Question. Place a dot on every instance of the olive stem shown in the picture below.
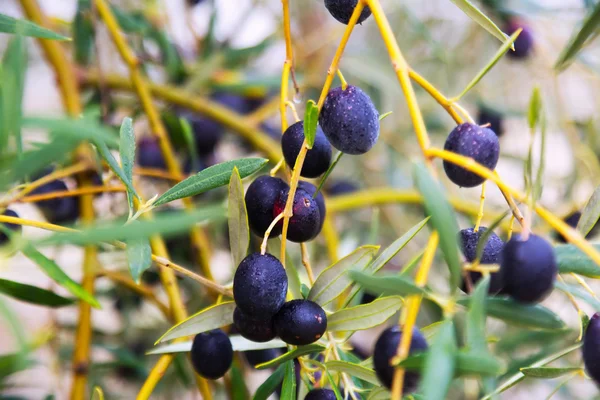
(342, 79)
(306, 263)
(481, 203)
(263, 246)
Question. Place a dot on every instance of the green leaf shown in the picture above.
(35, 160)
(388, 284)
(508, 44)
(190, 142)
(547, 372)
(535, 108)
(483, 239)
(75, 129)
(590, 213)
(467, 364)
(390, 252)
(290, 355)
(32, 294)
(578, 292)
(238, 384)
(335, 162)
(211, 178)
(121, 174)
(531, 316)
(476, 339)
(238, 343)
(364, 316)
(83, 32)
(358, 371)
(443, 220)
(587, 32)
(210, 318)
(164, 225)
(127, 155)
(288, 391)
(311, 118)
(239, 231)
(13, 363)
(268, 387)
(570, 259)
(334, 280)
(476, 15)
(171, 59)
(26, 28)
(440, 364)
(55, 273)
(13, 68)
(139, 256)
(519, 376)
(381, 393)
(97, 394)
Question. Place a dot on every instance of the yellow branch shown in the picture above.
(69, 89)
(572, 235)
(142, 290)
(232, 120)
(414, 303)
(72, 193)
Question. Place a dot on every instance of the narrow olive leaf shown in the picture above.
(476, 339)
(139, 257)
(238, 343)
(311, 118)
(580, 293)
(210, 318)
(535, 108)
(538, 184)
(14, 66)
(211, 178)
(164, 225)
(440, 364)
(105, 153)
(327, 173)
(271, 384)
(519, 376)
(32, 294)
(76, 129)
(127, 154)
(290, 355)
(486, 235)
(390, 252)
(288, 390)
(588, 31)
(525, 315)
(467, 364)
(508, 44)
(97, 394)
(590, 213)
(570, 259)
(443, 220)
(548, 372)
(358, 371)
(34, 161)
(239, 231)
(388, 284)
(393, 249)
(333, 384)
(239, 391)
(383, 116)
(83, 32)
(190, 142)
(476, 15)
(294, 283)
(381, 393)
(55, 273)
(334, 280)
(364, 316)
(26, 28)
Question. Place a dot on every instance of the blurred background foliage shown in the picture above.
(231, 52)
